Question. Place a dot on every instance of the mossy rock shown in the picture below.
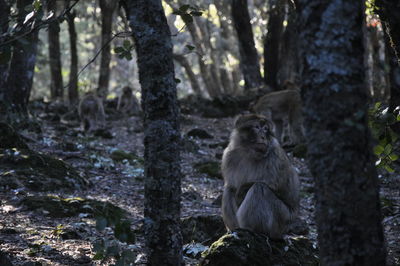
(37, 172)
(211, 168)
(9, 138)
(300, 151)
(120, 155)
(243, 248)
(58, 207)
(202, 228)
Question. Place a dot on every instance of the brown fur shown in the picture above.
(127, 102)
(91, 112)
(261, 187)
(281, 105)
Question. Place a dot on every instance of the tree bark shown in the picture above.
(340, 156)
(73, 95)
(161, 126)
(56, 80)
(107, 10)
(248, 54)
(272, 43)
(181, 59)
(4, 17)
(19, 82)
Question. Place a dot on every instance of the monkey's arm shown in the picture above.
(229, 208)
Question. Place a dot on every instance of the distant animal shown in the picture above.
(127, 102)
(91, 112)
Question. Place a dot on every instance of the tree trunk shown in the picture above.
(73, 96)
(248, 54)
(107, 10)
(181, 59)
(161, 126)
(340, 156)
(56, 81)
(389, 12)
(19, 82)
(4, 17)
(272, 42)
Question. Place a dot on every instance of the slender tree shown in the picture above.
(73, 96)
(272, 42)
(161, 126)
(340, 157)
(56, 80)
(181, 59)
(19, 82)
(4, 62)
(107, 10)
(248, 54)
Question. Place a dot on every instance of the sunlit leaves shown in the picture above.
(187, 12)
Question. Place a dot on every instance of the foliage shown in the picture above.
(380, 122)
(187, 12)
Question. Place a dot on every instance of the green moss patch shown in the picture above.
(242, 248)
(210, 168)
(68, 207)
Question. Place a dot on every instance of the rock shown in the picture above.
(243, 247)
(59, 207)
(199, 133)
(103, 133)
(202, 228)
(69, 234)
(222, 145)
(211, 168)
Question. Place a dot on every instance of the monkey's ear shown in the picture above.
(240, 119)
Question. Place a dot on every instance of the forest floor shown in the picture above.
(32, 237)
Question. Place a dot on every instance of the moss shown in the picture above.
(67, 207)
(243, 247)
(210, 168)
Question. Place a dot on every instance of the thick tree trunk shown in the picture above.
(73, 96)
(161, 126)
(107, 10)
(340, 156)
(4, 17)
(56, 80)
(19, 82)
(272, 43)
(181, 59)
(248, 54)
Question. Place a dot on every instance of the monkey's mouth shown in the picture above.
(260, 147)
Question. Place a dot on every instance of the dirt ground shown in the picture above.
(30, 237)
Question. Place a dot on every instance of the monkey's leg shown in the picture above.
(229, 208)
(278, 130)
(262, 211)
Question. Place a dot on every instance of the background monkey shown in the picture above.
(127, 102)
(91, 112)
(281, 105)
(261, 187)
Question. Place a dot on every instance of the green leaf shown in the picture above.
(119, 50)
(190, 47)
(127, 44)
(388, 149)
(37, 5)
(378, 149)
(196, 13)
(187, 18)
(184, 8)
(398, 117)
(178, 12)
(101, 223)
(388, 168)
(393, 157)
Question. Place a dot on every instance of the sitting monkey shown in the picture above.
(281, 105)
(261, 187)
(127, 102)
(91, 112)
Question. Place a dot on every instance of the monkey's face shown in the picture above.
(255, 131)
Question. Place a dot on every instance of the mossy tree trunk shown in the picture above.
(348, 211)
(20, 79)
(162, 134)
(56, 80)
(248, 54)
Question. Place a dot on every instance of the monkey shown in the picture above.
(261, 187)
(91, 112)
(281, 105)
(127, 102)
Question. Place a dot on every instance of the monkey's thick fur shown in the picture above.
(261, 187)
